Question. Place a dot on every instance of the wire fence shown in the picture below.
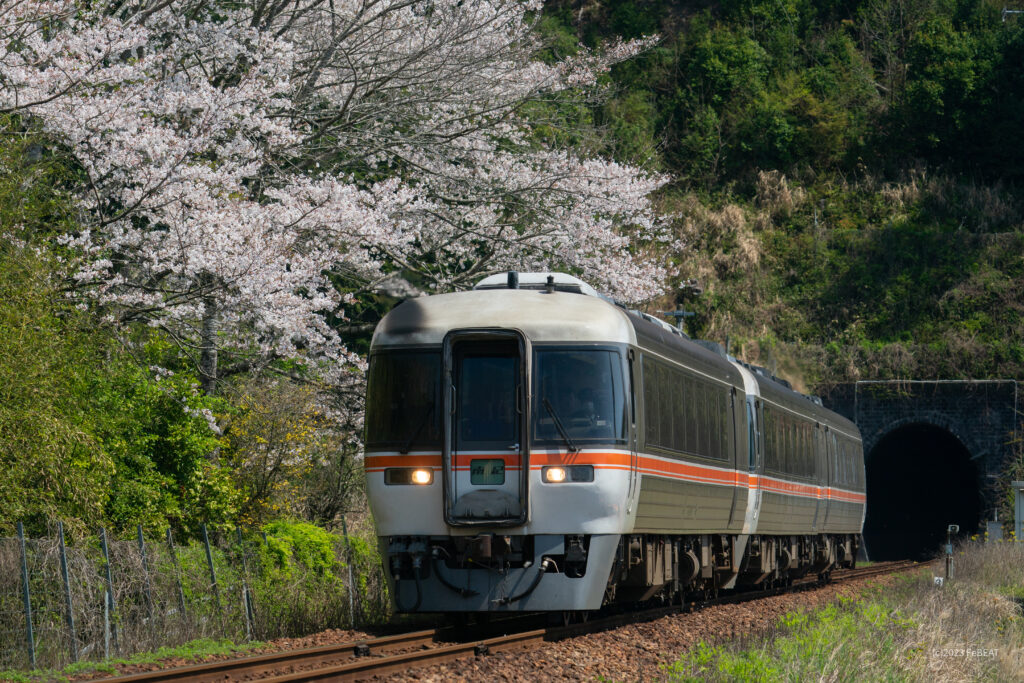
(101, 597)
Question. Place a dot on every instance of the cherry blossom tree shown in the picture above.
(234, 155)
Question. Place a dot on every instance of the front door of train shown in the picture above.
(485, 458)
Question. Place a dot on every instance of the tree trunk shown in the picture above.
(208, 344)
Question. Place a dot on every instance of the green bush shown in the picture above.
(294, 545)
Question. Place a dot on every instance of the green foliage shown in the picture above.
(830, 86)
(51, 460)
(86, 434)
(289, 543)
(828, 643)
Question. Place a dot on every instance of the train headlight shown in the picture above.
(570, 473)
(408, 475)
(554, 475)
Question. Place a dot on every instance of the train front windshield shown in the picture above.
(403, 400)
(583, 390)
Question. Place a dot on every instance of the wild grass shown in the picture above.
(192, 650)
(294, 580)
(971, 628)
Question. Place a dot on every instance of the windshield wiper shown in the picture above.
(558, 425)
(423, 423)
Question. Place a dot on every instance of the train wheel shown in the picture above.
(570, 617)
(456, 620)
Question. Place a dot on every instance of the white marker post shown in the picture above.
(1018, 509)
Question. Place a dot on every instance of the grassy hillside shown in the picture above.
(848, 179)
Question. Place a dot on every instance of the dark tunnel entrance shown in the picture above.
(920, 478)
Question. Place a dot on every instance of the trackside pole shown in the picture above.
(246, 596)
(950, 530)
(145, 574)
(351, 584)
(26, 597)
(110, 610)
(213, 576)
(177, 574)
(70, 616)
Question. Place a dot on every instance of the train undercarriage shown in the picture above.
(579, 572)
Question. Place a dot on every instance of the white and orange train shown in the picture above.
(533, 446)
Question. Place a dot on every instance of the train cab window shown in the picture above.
(486, 400)
(585, 392)
(402, 400)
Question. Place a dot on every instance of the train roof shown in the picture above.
(558, 316)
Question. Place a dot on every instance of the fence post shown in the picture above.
(27, 598)
(351, 584)
(213, 576)
(246, 597)
(110, 612)
(106, 624)
(67, 592)
(145, 574)
(177, 574)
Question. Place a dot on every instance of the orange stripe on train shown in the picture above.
(617, 460)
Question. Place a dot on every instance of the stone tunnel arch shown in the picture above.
(920, 477)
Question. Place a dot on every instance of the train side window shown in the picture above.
(802, 468)
(796, 465)
(707, 433)
(751, 443)
(651, 410)
(717, 413)
(798, 432)
(711, 412)
(780, 444)
(709, 408)
(808, 460)
(695, 415)
(789, 464)
(668, 407)
(724, 419)
(834, 457)
(798, 448)
(678, 387)
(783, 464)
(812, 451)
(692, 429)
(842, 462)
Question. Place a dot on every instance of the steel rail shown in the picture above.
(318, 656)
(365, 669)
(321, 663)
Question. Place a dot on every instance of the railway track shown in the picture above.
(360, 660)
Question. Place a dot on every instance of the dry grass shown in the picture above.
(978, 208)
(971, 629)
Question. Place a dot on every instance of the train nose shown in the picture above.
(487, 504)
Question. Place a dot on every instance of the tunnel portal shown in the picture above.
(920, 478)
